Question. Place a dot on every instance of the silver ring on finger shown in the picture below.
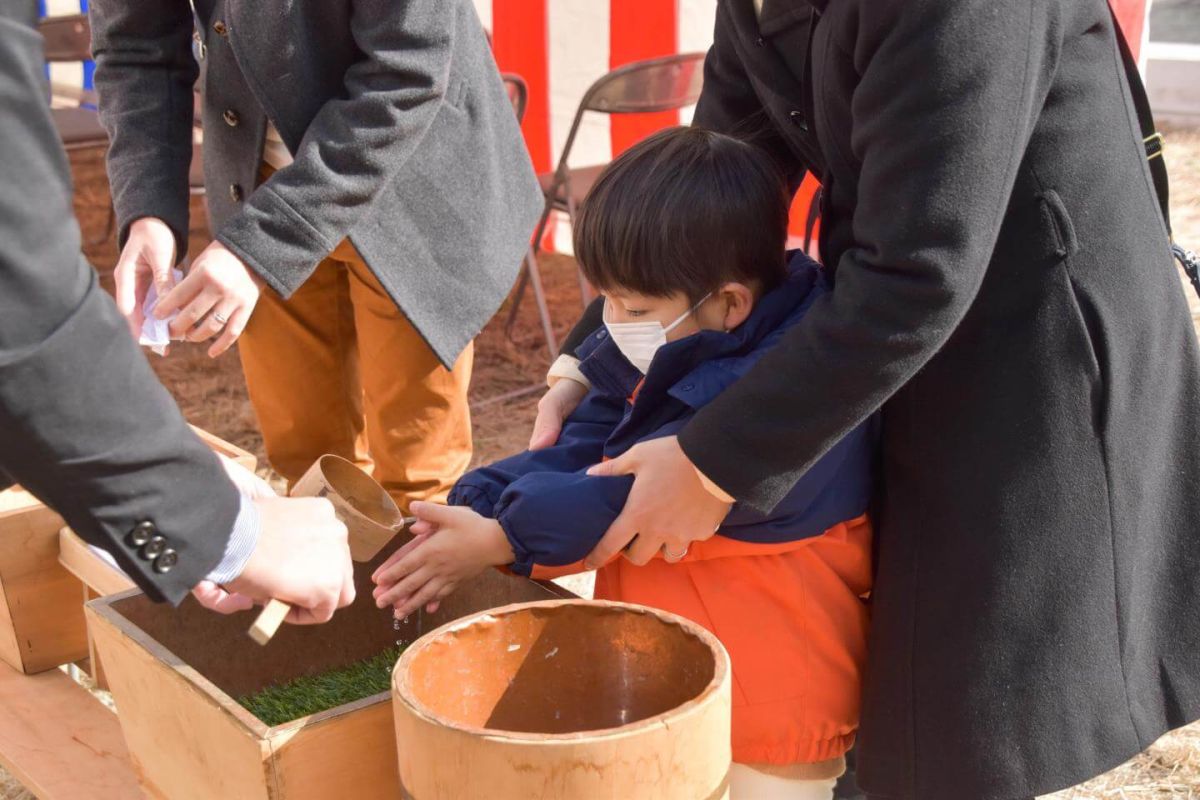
(220, 318)
(673, 557)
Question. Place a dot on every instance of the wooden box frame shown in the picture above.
(174, 675)
(41, 608)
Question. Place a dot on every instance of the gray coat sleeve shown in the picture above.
(938, 160)
(355, 144)
(145, 72)
(84, 424)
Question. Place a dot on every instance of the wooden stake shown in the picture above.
(268, 621)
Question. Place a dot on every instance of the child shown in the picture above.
(684, 234)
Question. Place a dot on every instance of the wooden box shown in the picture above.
(41, 607)
(174, 676)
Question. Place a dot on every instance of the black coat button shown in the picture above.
(235, 192)
(140, 534)
(166, 561)
(798, 120)
(231, 118)
(153, 548)
(220, 28)
(761, 42)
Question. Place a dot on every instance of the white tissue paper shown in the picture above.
(155, 333)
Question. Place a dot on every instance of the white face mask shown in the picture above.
(639, 341)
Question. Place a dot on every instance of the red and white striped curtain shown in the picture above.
(561, 46)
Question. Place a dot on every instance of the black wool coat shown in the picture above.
(1003, 289)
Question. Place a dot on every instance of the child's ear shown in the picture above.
(738, 299)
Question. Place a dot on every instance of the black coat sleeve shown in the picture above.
(947, 96)
(84, 424)
(728, 103)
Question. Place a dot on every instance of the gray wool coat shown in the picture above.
(403, 136)
(1003, 290)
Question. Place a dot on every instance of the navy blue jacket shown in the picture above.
(554, 513)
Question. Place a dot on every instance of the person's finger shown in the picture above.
(161, 274)
(406, 588)
(349, 591)
(619, 534)
(179, 296)
(128, 303)
(315, 613)
(214, 322)
(432, 608)
(192, 313)
(643, 548)
(233, 331)
(422, 528)
(398, 564)
(624, 464)
(435, 512)
(425, 594)
(396, 557)
(215, 598)
(546, 428)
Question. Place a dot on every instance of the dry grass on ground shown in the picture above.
(212, 395)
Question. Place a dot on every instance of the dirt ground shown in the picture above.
(212, 395)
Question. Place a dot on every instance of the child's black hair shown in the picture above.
(684, 210)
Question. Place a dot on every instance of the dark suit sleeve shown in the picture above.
(354, 145)
(84, 424)
(145, 74)
(947, 99)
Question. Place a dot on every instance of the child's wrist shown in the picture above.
(498, 551)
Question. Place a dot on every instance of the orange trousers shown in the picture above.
(337, 368)
(793, 619)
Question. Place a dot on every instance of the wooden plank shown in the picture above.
(184, 746)
(222, 447)
(60, 742)
(96, 573)
(41, 599)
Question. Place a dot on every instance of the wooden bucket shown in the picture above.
(564, 699)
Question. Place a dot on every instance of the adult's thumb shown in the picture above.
(624, 464)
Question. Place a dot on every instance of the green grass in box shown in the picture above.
(285, 702)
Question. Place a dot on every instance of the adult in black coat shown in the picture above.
(84, 424)
(1004, 290)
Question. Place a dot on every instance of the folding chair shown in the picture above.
(640, 87)
(69, 38)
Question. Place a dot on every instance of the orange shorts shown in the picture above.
(794, 620)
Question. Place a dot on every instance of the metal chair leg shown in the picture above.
(523, 281)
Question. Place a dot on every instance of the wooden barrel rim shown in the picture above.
(403, 691)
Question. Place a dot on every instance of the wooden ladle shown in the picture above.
(366, 509)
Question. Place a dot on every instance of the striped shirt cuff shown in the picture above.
(242, 541)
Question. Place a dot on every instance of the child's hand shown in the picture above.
(451, 544)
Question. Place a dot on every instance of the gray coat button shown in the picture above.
(153, 548)
(166, 561)
(220, 28)
(231, 118)
(140, 534)
(235, 192)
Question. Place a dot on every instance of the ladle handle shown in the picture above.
(268, 621)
